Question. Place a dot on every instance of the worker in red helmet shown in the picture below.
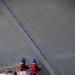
(34, 69)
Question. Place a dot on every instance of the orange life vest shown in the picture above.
(20, 66)
(32, 68)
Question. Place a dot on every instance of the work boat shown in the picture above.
(18, 73)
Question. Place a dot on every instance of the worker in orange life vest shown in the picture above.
(22, 65)
(33, 67)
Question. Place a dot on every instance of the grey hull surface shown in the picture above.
(51, 24)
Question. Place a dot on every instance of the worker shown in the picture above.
(19, 67)
(34, 69)
(22, 65)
